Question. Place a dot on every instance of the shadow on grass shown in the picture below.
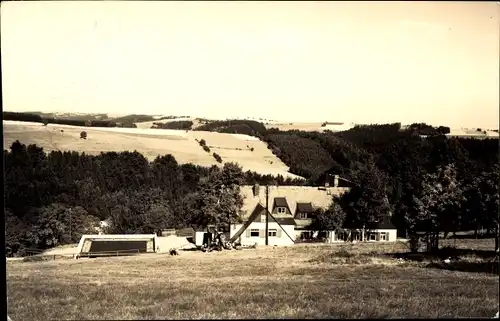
(464, 260)
(464, 266)
(471, 236)
(192, 249)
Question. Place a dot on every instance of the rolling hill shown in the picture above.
(249, 152)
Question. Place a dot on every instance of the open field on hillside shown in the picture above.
(181, 144)
(307, 126)
(148, 124)
(284, 126)
(295, 282)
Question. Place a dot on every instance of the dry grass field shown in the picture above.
(307, 126)
(181, 144)
(302, 281)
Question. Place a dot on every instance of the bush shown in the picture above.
(83, 135)
(206, 148)
(202, 142)
(217, 157)
(252, 149)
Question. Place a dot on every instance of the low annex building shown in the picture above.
(291, 210)
(115, 244)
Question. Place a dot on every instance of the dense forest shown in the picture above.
(427, 181)
(176, 124)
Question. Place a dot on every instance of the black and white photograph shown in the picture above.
(250, 159)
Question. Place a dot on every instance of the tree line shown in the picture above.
(42, 119)
(54, 198)
(177, 124)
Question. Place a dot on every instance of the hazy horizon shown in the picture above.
(432, 62)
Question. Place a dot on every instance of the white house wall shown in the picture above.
(280, 239)
(393, 234)
(198, 238)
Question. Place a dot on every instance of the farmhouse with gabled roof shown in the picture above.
(291, 212)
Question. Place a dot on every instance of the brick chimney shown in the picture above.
(256, 190)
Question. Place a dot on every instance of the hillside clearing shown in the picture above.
(183, 145)
(307, 126)
(261, 283)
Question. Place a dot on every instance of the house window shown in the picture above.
(281, 210)
(254, 233)
(340, 236)
(306, 235)
(383, 236)
(373, 236)
(303, 215)
(273, 232)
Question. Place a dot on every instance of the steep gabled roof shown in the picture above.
(256, 217)
(280, 220)
(255, 213)
(259, 211)
(319, 198)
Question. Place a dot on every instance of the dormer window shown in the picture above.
(304, 211)
(281, 210)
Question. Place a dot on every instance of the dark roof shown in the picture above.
(260, 210)
(280, 220)
(304, 208)
(384, 223)
(280, 202)
(284, 220)
(257, 210)
(188, 231)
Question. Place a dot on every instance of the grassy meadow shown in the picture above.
(303, 281)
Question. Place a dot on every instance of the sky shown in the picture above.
(362, 62)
